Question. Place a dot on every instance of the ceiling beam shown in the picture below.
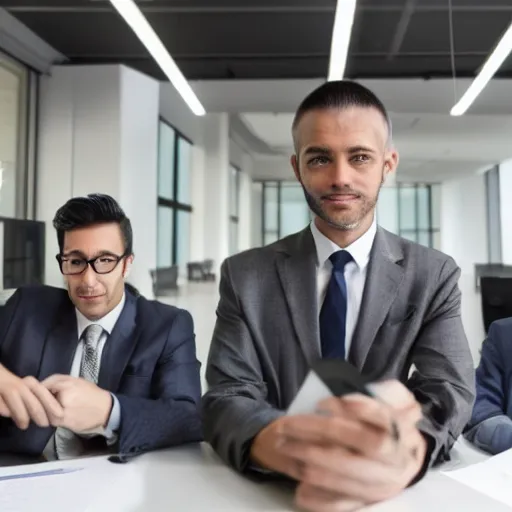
(255, 9)
(401, 29)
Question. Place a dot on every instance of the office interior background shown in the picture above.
(85, 108)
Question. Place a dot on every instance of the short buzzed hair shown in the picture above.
(340, 94)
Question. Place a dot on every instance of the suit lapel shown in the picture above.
(119, 347)
(297, 272)
(61, 343)
(383, 280)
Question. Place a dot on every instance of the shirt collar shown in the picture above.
(359, 249)
(107, 322)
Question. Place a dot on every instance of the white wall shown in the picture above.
(138, 169)
(216, 227)
(98, 133)
(175, 111)
(464, 237)
(246, 209)
(506, 211)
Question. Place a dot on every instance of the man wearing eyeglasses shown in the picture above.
(97, 367)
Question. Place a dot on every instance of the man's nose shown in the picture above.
(341, 173)
(89, 276)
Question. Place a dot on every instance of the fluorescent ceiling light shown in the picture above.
(140, 25)
(343, 21)
(490, 67)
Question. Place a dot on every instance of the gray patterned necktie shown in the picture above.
(90, 367)
(67, 444)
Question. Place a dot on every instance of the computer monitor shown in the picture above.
(496, 299)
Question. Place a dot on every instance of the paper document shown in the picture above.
(312, 391)
(70, 486)
(492, 477)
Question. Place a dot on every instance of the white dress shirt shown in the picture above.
(108, 323)
(355, 273)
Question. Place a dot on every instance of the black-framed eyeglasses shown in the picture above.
(73, 265)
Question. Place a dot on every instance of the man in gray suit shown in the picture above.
(342, 288)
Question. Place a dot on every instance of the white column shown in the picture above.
(464, 237)
(506, 211)
(98, 130)
(245, 213)
(198, 191)
(216, 226)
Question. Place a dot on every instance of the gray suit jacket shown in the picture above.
(267, 335)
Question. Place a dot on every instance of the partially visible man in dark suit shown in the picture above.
(490, 428)
(95, 366)
(342, 288)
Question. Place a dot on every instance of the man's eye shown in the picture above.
(360, 158)
(76, 262)
(319, 160)
(106, 260)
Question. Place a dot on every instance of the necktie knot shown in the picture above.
(339, 259)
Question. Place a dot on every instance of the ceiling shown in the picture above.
(433, 145)
(276, 39)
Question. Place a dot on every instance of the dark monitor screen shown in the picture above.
(496, 299)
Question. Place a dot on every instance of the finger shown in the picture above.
(55, 379)
(34, 408)
(58, 386)
(393, 393)
(17, 408)
(337, 430)
(337, 460)
(4, 410)
(54, 410)
(359, 408)
(310, 498)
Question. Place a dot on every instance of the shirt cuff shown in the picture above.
(114, 421)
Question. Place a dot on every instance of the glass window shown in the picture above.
(166, 162)
(407, 198)
(165, 237)
(422, 195)
(13, 128)
(294, 209)
(233, 237)
(234, 191)
(387, 209)
(184, 170)
(183, 240)
(271, 206)
(424, 238)
(435, 206)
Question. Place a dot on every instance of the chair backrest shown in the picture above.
(164, 279)
(496, 299)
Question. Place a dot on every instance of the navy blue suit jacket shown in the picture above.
(149, 363)
(490, 427)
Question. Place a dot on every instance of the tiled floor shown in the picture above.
(200, 299)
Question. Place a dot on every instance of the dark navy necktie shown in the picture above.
(333, 315)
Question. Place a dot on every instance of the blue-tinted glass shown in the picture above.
(166, 161)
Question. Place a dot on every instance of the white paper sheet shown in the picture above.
(71, 486)
(492, 477)
(312, 391)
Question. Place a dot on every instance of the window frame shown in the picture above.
(173, 204)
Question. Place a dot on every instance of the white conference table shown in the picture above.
(193, 479)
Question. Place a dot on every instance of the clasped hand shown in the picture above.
(347, 456)
(58, 401)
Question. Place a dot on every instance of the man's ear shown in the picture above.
(295, 165)
(128, 266)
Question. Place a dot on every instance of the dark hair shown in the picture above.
(81, 212)
(340, 94)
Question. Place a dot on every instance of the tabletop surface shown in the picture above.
(192, 478)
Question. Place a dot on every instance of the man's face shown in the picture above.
(95, 295)
(341, 162)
